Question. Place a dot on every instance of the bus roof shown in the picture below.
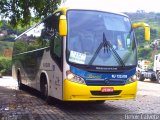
(64, 10)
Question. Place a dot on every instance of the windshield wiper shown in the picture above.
(107, 47)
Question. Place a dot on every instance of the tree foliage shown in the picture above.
(5, 65)
(144, 53)
(22, 11)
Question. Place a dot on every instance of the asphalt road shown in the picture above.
(22, 105)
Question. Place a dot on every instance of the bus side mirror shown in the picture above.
(62, 25)
(146, 29)
(147, 33)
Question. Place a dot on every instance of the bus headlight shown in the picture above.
(74, 78)
(131, 79)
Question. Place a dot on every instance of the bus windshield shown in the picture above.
(100, 39)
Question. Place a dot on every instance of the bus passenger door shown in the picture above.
(56, 54)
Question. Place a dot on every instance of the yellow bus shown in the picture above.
(79, 55)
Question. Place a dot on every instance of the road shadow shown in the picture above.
(28, 102)
(76, 107)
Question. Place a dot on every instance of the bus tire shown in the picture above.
(44, 89)
(158, 77)
(19, 80)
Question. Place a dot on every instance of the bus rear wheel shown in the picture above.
(19, 80)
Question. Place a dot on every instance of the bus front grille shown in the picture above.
(105, 82)
(99, 93)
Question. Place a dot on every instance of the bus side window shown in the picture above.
(57, 46)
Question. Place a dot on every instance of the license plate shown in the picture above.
(107, 89)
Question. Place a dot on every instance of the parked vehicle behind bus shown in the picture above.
(79, 55)
(152, 74)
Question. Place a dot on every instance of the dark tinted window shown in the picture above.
(56, 41)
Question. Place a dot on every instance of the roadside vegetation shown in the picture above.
(147, 50)
(5, 66)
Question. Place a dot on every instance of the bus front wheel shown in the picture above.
(44, 89)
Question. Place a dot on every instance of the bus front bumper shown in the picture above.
(79, 92)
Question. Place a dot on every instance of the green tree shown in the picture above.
(144, 53)
(20, 11)
(5, 66)
(154, 34)
(139, 36)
